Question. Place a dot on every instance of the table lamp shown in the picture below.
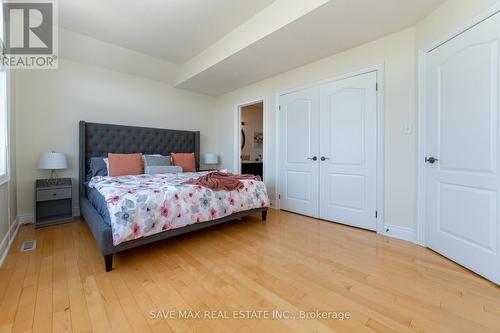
(52, 161)
(211, 159)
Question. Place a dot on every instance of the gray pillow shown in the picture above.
(156, 160)
(97, 167)
(153, 170)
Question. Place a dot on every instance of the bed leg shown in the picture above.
(264, 215)
(108, 261)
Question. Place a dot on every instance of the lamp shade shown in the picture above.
(211, 158)
(52, 161)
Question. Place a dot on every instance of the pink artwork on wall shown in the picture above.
(258, 139)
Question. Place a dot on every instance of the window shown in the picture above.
(4, 120)
(3, 124)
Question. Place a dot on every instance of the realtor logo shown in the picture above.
(30, 34)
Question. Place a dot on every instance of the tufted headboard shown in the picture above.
(97, 140)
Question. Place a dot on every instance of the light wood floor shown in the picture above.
(289, 263)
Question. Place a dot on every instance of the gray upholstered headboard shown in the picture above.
(97, 140)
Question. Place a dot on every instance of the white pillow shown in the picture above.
(107, 164)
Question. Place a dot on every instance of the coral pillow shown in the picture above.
(185, 161)
(125, 164)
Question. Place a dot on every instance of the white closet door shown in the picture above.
(348, 158)
(461, 144)
(299, 146)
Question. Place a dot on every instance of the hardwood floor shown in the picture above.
(289, 263)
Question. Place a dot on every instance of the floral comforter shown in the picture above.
(144, 205)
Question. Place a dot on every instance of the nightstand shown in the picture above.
(53, 202)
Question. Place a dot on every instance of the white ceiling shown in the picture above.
(337, 26)
(178, 31)
(172, 30)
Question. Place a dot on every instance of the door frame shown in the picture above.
(237, 135)
(379, 69)
(421, 109)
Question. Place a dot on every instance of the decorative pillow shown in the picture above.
(125, 164)
(153, 170)
(98, 167)
(107, 165)
(185, 161)
(156, 160)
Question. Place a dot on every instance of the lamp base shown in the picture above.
(53, 180)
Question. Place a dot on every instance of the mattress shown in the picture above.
(143, 205)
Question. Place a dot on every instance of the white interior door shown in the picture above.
(461, 134)
(348, 158)
(299, 146)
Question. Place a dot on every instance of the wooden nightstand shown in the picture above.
(53, 202)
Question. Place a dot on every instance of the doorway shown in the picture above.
(251, 139)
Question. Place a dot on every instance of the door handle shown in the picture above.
(431, 160)
(314, 158)
(323, 158)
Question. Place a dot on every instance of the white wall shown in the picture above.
(446, 18)
(397, 53)
(50, 103)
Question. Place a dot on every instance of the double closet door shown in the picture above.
(328, 151)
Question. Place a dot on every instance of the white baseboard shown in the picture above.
(404, 233)
(14, 227)
(25, 218)
(8, 239)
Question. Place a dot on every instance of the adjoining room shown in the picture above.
(252, 139)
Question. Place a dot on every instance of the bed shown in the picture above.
(97, 140)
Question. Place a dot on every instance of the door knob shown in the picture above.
(323, 158)
(314, 158)
(431, 160)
